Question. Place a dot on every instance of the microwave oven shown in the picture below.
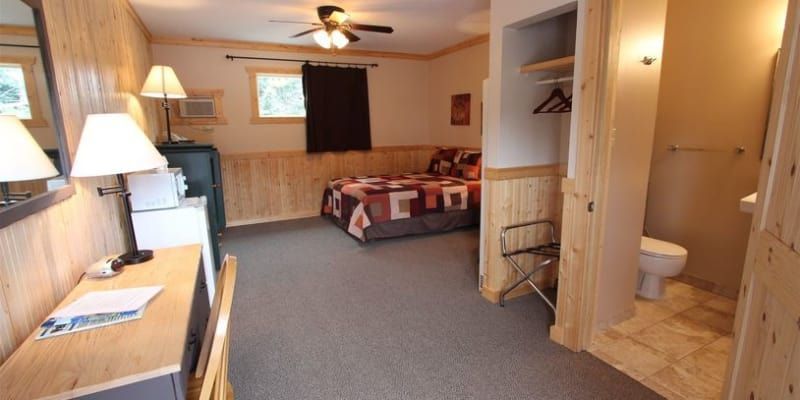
(157, 189)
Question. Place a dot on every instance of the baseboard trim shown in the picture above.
(700, 283)
(243, 222)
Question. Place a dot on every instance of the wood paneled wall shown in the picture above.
(513, 200)
(272, 186)
(101, 58)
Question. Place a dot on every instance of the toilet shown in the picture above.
(658, 260)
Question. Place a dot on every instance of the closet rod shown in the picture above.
(31, 46)
(555, 80)
(230, 57)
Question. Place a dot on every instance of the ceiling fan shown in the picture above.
(335, 29)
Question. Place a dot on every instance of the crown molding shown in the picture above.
(17, 30)
(129, 8)
(279, 47)
(459, 46)
(289, 48)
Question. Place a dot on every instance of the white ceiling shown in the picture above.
(420, 26)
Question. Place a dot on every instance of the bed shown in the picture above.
(445, 197)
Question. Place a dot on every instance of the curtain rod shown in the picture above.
(19, 45)
(230, 57)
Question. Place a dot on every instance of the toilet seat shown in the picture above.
(661, 249)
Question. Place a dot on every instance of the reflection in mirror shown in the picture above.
(24, 94)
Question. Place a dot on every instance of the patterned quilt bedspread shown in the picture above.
(359, 202)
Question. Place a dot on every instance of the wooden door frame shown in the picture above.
(778, 105)
(584, 213)
(582, 234)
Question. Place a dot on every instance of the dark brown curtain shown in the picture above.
(337, 108)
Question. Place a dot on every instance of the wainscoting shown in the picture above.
(100, 58)
(273, 186)
(514, 195)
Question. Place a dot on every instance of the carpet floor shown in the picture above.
(318, 315)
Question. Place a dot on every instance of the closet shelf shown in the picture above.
(555, 65)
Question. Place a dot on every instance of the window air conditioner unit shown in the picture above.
(197, 107)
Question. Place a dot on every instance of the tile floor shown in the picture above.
(678, 346)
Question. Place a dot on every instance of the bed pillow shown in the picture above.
(442, 161)
(467, 165)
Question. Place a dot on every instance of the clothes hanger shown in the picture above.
(564, 103)
(563, 107)
(556, 94)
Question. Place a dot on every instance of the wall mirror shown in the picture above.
(28, 91)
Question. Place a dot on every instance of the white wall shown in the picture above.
(398, 92)
(459, 72)
(715, 93)
(634, 129)
(507, 40)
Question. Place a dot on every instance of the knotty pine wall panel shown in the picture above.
(273, 186)
(511, 201)
(100, 58)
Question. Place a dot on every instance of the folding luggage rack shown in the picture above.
(551, 251)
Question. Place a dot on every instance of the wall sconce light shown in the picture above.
(647, 60)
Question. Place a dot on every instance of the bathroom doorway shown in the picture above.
(691, 97)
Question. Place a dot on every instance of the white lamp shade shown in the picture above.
(21, 158)
(162, 81)
(113, 144)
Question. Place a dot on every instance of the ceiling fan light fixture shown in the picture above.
(322, 38)
(339, 17)
(339, 39)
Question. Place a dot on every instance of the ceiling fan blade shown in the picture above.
(338, 17)
(295, 22)
(372, 28)
(350, 35)
(305, 32)
(324, 12)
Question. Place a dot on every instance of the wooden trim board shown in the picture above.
(554, 65)
(459, 46)
(581, 238)
(300, 215)
(290, 48)
(707, 285)
(499, 174)
(17, 30)
(279, 47)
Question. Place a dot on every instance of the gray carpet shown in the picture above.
(318, 315)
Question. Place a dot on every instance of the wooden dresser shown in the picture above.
(149, 358)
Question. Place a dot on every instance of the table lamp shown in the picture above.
(113, 144)
(21, 158)
(162, 82)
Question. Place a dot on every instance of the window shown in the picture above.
(18, 90)
(13, 97)
(276, 96)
